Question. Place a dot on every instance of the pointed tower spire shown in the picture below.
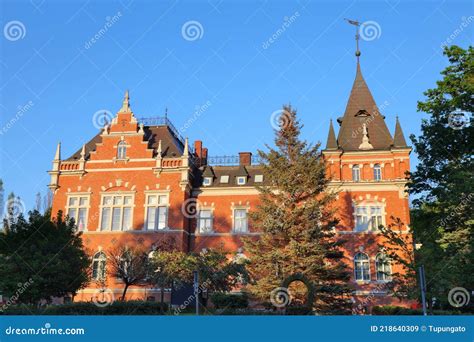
(83, 152)
(57, 157)
(361, 110)
(331, 143)
(398, 137)
(125, 104)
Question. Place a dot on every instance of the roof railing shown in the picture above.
(230, 160)
(162, 121)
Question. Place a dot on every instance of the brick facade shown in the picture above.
(132, 184)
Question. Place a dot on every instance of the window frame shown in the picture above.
(243, 178)
(122, 150)
(377, 172)
(358, 264)
(157, 207)
(259, 179)
(234, 218)
(113, 206)
(369, 208)
(207, 181)
(355, 169)
(77, 207)
(209, 219)
(381, 259)
(99, 258)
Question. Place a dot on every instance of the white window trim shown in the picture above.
(381, 173)
(211, 209)
(226, 181)
(145, 207)
(368, 205)
(205, 179)
(258, 181)
(105, 266)
(390, 278)
(101, 206)
(361, 281)
(241, 177)
(359, 168)
(240, 207)
(79, 195)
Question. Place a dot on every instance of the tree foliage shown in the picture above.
(41, 259)
(443, 180)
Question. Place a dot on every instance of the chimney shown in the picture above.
(204, 156)
(198, 148)
(245, 158)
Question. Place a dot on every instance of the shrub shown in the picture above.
(399, 310)
(229, 301)
(89, 308)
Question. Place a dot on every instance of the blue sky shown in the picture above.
(53, 78)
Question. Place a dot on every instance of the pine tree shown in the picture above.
(297, 221)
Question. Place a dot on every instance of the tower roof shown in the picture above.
(331, 143)
(398, 137)
(361, 109)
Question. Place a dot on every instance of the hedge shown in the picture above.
(391, 310)
(89, 308)
(229, 301)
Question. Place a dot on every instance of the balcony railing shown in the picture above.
(230, 160)
(161, 121)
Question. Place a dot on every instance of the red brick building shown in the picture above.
(135, 181)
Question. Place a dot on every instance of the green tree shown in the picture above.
(47, 255)
(297, 223)
(443, 180)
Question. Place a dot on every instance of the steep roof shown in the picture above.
(171, 146)
(233, 172)
(398, 137)
(331, 143)
(361, 108)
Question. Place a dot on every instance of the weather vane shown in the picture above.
(357, 25)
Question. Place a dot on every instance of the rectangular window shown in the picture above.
(205, 221)
(375, 218)
(77, 210)
(116, 212)
(361, 219)
(258, 178)
(241, 180)
(224, 179)
(240, 221)
(156, 212)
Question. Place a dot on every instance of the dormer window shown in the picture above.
(258, 178)
(224, 179)
(207, 181)
(241, 180)
(122, 150)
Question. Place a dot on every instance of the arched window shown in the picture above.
(377, 172)
(98, 266)
(122, 150)
(383, 267)
(361, 267)
(356, 173)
